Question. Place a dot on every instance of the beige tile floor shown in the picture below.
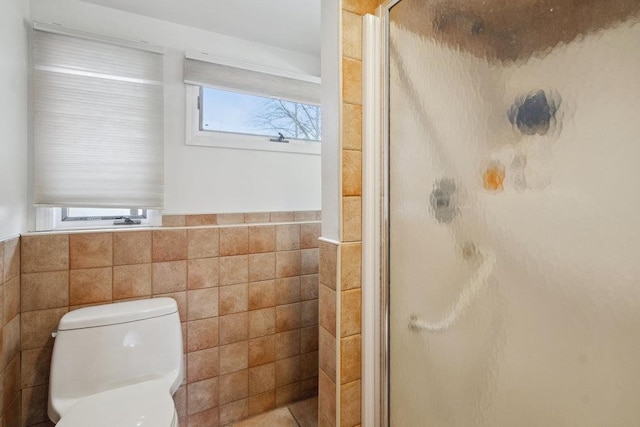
(299, 414)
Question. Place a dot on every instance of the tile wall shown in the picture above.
(247, 292)
(10, 385)
(340, 296)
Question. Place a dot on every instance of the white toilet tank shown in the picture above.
(109, 346)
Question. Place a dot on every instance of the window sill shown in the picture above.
(247, 142)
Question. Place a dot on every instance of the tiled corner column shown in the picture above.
(340, 336)
(247, 293)
(11, 396)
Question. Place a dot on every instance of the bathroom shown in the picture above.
(282, 261)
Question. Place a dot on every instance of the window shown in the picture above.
(227, 111)
(98, 128)
(236, 107)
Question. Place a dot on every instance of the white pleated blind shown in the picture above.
(201, 73)
(98, 124)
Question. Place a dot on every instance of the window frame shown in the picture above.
(207, 138)
(51, 219)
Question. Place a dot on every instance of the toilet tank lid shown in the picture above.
(120, 312)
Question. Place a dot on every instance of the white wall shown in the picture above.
(13, 117)
(206, 179)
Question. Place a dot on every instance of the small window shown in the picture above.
(99, 214)
(49, 218)
(234, 112)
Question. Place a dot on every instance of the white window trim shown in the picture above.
(195, 136)
(50, 219)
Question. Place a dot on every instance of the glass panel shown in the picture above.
(513, 213)
(88, 214)
(226, 111)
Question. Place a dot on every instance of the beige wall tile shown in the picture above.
(234, 386)
(169, 245)
(89, 250)
(262, 239)
(262, 402)
(131, 281)
(351, 35)
(233, 299)
(350, 359)
(262, 322)
(262, 350)
(230, 218)
(234, 357)
(309, 287)
(44, 253)
(36, 327)
(352, 127)
(11, 259)
(360, 7)
(287, 371)
(309, 339)
(234, 241)
(131, 247)
(11, 342)
(287, 317)
(35, 366)
(328, 264)
(174, 220)
(309, 315)
(233, 328)
(262, 294)
(203, 273)
(11, 380)
(180, 401)
(287, 344)
(208, 418)
(352, 81)
(309, 261)
(203, 243)
(169, 276)
(350, 312)
(202, 334)
(204, 219)
(202, 364)
(309, 387)
(13, 411)
(350, 266)
(234, 411)
(234, 269)
(202, 395)
(351, 173)
(181, 301)
(202, 303)
(43, 290)
(350, 396)
(34, 405)
(327, 353)
(282, 217)
(262, 379)
(90, 285)
(287, 264)
(305, 215)
(309, 234)
(287, 237)
(351, 219)
(326, 399)
(287, 394)
(256, 217)
(11, 299)
(288, 290)
(327, 309)
(309, 365)
(262, 266)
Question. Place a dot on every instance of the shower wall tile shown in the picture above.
(351, 173)
(205, 219)
(350, 404)
(352, 129)
(351, 219)
(242, 326)
(351, 35)
(351, 81)
(350, 312)
(360, 7)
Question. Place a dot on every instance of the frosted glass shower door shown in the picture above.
(514, 214)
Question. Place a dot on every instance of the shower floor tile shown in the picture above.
(299, 414)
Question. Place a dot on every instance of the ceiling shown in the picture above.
(288, 24)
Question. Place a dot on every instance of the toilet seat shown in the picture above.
(147, 404)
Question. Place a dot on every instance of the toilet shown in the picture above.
(117, 365)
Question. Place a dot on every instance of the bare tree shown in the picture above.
(292, 119)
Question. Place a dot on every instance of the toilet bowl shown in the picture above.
(117, 365)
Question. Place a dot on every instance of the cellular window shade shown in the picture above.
(98, 124)
(201, 73)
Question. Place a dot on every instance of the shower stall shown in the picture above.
(511, 213)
